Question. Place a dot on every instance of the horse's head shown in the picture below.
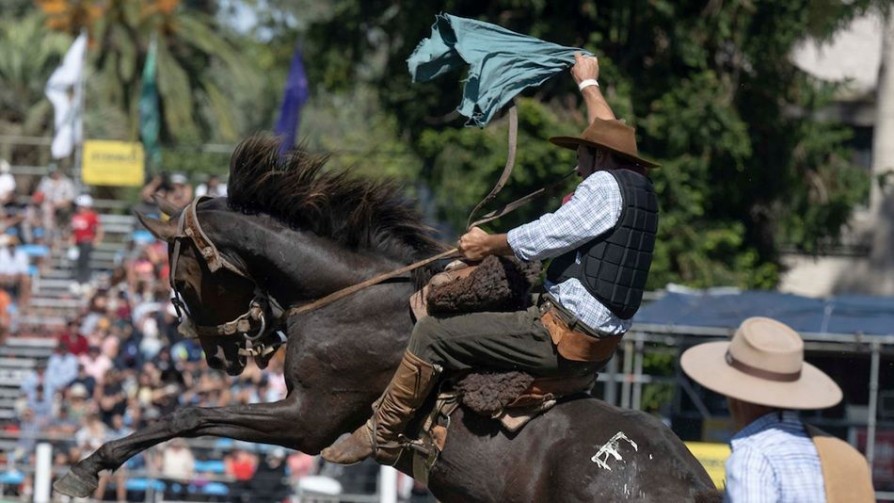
(207, 301)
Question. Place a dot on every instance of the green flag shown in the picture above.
(150, 118)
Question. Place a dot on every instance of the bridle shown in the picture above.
(253, 324)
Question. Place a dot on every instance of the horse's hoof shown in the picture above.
(76, 485)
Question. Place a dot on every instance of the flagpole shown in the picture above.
(82, 102)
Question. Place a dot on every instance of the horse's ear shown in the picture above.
(168, 208)
(166, 231)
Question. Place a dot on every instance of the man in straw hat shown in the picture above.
(775, 457)
(602, 240)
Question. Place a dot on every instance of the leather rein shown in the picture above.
(264, 314)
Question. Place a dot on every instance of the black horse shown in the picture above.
(297, 233)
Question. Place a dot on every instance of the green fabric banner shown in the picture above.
(150, 116)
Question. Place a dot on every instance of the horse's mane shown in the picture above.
(356, 212)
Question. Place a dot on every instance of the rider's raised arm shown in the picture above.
(586, 74)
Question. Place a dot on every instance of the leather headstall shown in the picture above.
(252, 324)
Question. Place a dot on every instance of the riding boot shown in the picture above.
(407, 391)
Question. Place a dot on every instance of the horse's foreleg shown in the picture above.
(272, 423)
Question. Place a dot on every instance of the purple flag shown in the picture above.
(295, 95)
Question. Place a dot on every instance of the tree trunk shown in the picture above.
(881, 259)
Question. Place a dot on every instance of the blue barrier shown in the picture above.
(215, 489)
(141, 484)
(12, 477)
(215, 466)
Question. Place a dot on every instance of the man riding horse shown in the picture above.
(601, 241)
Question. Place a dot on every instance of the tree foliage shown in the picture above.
(709, 85)
(746, 169)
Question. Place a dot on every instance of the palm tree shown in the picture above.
(194, 103)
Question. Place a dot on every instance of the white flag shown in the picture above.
(64, 90)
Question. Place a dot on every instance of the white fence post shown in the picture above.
(43, 472)
(387, 485)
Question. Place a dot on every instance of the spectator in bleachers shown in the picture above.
(212, 188)
(110, 345)
(91, 322)
(14, 269)
(112, 399)
(119, 430)
(96, 364)
(301, 465)
(129, 348)
(240, 465)
(36, 377)
(147, 326)
(177, 464)
(5, 316)
(77, 402)
(32, 425)
(7, 183)
(269, 482)
(181, 190)
(86, 233)
(89, 438)
(68, 420)
(84, 379)
(57, 193)
(32, 220)
(72, 338)
(62, 367)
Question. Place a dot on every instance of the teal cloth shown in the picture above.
(502, 63)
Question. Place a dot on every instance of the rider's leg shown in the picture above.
(505, 341)
(405, 393)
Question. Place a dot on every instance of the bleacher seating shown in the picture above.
(52, 300)
(18, 356)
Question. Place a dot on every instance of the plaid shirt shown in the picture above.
(774, 460)
(594, 209)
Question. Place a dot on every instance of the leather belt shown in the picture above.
(573, 339)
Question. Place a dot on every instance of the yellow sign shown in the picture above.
(108, 162)
(713, 457)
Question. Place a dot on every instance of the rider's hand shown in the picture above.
(585, 67)
(476, 244)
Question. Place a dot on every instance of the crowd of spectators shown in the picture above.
(120, 364)
(48, 215)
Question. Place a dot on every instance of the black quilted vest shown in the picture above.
(614, 266)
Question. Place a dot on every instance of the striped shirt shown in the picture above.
(774, 460)
(594, 209)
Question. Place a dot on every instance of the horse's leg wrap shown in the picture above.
(408, 389)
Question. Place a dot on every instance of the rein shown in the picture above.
(262, 305)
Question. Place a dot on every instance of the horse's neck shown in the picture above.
(296, 266)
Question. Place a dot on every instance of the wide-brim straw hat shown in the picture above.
(611, 135)
(762, 364)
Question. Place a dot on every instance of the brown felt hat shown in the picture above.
(611, 135)
(762, 364)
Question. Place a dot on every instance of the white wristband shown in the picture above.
(587, 83)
